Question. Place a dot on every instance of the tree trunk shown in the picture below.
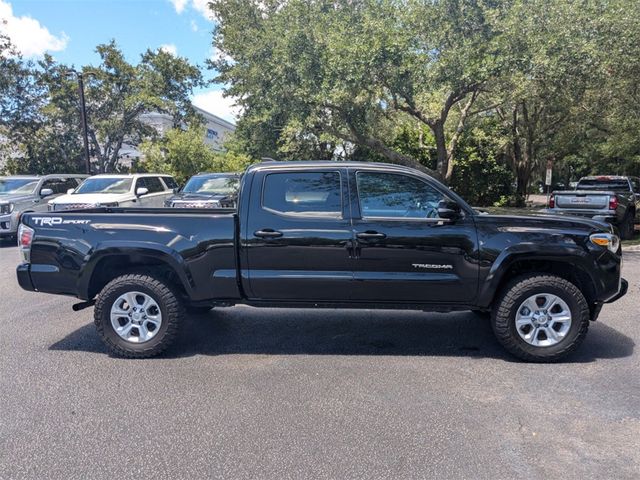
(442, 164)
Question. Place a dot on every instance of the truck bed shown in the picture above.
(70, 246)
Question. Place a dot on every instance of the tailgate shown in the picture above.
(583, 200)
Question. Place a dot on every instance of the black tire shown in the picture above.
(627, 227)
(165, 297)
(515, 293)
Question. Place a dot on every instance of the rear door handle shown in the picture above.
(267, 233)
(370, 235)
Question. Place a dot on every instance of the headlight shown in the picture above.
(608, 240)
(6, 208)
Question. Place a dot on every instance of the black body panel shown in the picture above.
(266, 254)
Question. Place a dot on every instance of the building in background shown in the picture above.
(216, 130)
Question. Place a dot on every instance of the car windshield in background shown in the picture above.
(618, 185)
(104, 185)
(212, 185)
(11, 186)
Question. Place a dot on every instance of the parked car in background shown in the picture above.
(144, 190)
(22, 194)
(609, 198)
(208, 190)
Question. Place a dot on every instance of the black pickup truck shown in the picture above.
(328, 234)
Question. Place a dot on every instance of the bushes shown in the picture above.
(479, 179)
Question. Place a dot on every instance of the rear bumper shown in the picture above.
(23, 271)
(598, 215)
(624, 286)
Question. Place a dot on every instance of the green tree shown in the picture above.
(40, 110)
(325, 72)
(119, 94)
(183, 153)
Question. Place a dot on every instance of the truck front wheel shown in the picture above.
(540, 318)
(137, 316)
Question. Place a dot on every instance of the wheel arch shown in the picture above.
(570, 268)
(108, 263)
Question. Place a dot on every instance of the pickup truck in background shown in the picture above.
(613, 199)
(327, 234)
(118, 190)
(207, 190)
(30, 193)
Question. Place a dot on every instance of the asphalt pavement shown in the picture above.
(273, 393)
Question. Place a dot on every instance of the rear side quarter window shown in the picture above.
(303, 193)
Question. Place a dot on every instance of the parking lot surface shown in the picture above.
(272, 393)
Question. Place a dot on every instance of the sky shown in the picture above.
(69, 30)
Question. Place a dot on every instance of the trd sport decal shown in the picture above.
(53, 221)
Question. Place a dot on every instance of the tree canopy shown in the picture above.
(405, 81)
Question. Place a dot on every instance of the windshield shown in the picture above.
(212, 185)
(104, 185)
(9, 186)
(616, 184)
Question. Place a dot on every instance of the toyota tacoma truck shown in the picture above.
(327, 234)
(608, 198)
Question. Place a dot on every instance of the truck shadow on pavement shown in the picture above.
(244, 330)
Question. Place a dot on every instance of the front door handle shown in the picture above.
(370, 235)
(267, 233)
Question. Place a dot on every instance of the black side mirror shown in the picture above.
(449, 210)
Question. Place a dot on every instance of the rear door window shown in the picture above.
(154, 185)
(303, 193)
(170, 182)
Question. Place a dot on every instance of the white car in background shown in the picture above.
(143, 190)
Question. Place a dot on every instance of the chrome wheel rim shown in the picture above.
(136, 317)
(543, 320)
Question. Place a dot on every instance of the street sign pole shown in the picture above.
(549, 178)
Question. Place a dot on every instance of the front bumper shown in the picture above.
(8, 225)
(624, 286)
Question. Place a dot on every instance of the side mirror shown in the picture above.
(70, 191)
(45, 192)
(142, 191)
(449, 210)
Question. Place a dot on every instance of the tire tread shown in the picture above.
(501, 316)
(173, 306)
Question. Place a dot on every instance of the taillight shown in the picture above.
(613, 202)
(25, 237)
(552, 201)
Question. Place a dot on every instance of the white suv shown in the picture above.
(145, 190)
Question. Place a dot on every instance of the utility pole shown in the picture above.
(83, 119)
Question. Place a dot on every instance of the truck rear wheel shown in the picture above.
(137, 316)
(540, 318)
